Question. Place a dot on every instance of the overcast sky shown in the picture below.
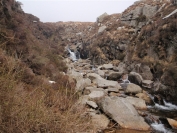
(73, 10)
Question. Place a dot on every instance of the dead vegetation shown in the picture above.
(31, 55)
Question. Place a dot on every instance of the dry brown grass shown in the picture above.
(37, 107)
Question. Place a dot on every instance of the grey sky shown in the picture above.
(73, 10)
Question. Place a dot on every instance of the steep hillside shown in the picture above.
(31, 55)
(143, 34)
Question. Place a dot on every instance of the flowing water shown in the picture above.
(72, 55)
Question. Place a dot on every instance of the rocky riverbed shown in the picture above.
(117, 101)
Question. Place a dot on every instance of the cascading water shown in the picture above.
(164, 110)
(160, 127)
(72, 55)
(166, 107)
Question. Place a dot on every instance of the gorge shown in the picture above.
(117, 74)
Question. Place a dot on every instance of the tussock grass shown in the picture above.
(37, 106)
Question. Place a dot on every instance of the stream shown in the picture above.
(156, 114)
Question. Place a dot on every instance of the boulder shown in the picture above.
(108, 66)
(147, 83)
(137, 102)
(114, 75)
(102, 83)
(96, 94)
(133, 88)
(121, 111)
(101, 17)
(135, 78)
(173, 123)
(145, 97)
(92, 104)
(101, 29)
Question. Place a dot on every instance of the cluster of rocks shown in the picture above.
(107, 99)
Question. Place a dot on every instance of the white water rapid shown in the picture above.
(72, 55)
(166, 107)
(160, 127)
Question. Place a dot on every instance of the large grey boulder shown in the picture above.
(121, 111)
(137, 102)
(101, 82)
(133, 88)
(101, 17)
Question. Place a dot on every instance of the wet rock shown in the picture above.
(133, 88)
(121, 111)
(137, 103)
(147, 83)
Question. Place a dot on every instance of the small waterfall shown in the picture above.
(72, 55)
(166, 107)
(160, 127)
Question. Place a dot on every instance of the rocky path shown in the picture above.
(112, 100)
